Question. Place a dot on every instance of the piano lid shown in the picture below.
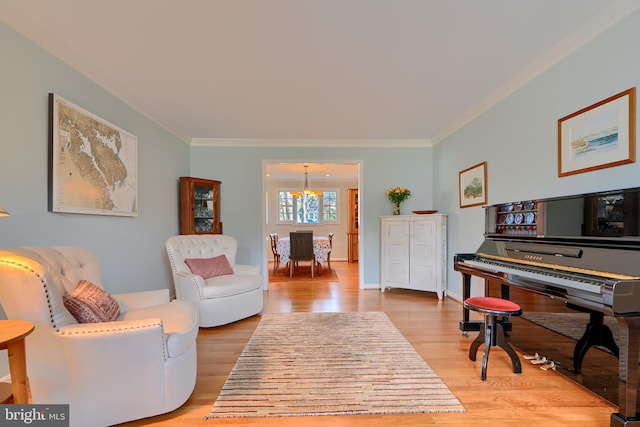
(609, 218)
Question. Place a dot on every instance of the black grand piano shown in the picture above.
(583, 250)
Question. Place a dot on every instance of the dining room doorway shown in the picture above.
(283, 177)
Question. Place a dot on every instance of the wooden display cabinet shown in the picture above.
(352, 231)
(199, 206)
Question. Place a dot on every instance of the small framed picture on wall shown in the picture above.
(472, 184)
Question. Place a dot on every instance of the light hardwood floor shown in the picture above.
(535, 397)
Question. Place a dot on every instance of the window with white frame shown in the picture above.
(308, 209)
(286, 206)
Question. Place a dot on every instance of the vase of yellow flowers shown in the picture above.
(396, 196)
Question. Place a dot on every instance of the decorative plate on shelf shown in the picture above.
(518, 218)
(529, 218)
(424, 212)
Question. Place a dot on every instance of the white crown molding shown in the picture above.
(369, 143)
(575, 40)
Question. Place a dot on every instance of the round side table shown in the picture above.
(12, 334)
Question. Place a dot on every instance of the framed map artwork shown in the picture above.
(92, 163)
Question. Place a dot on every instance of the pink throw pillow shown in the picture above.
(209, 267)
(89, 303)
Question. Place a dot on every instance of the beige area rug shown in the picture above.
(330, 364)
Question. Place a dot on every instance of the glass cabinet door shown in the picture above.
(203, 215)
(199, 206)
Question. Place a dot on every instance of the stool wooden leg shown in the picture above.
(480, 339)
(501, 341)
(490, 327)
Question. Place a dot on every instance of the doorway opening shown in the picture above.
(322, 175)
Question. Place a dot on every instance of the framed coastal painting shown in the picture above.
(599, 136)
(92, 163)
(472, 184)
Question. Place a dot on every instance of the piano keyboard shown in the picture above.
(586, 284)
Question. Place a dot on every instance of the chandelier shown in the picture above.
(306, 189)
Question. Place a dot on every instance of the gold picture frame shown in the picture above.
(472, 184)
(602, 135)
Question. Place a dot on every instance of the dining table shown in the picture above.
(321, 249)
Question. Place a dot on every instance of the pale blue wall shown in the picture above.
(240, 170)
(131, 249)
(518, 138)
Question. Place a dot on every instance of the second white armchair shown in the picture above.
(205, 274)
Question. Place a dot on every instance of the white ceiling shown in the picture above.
(338, 71)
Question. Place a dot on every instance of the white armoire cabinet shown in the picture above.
(414, 252)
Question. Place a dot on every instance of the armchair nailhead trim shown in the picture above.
(85, 331)
(114, 329)
(165, 352)
(174, 268)
(44, 285)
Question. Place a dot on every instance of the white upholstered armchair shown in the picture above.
(232, 292)
(141, 364)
